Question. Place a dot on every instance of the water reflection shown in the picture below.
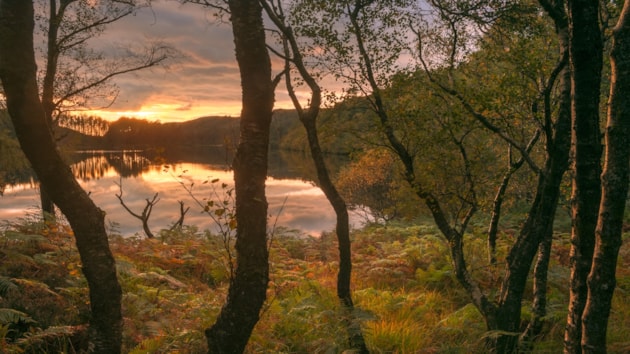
(294, 199)
(87, 165)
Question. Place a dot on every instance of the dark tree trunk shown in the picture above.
(539, 222)
(308, 117)
(341, 211)
(497, 203)
(585, 52)
(601, 280)
(558, 147)
(343, 234)
(48, 207)
(248, 288)
(48, 86)
(18, 75)
(539, 302)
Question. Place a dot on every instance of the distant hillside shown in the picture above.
(286, 132)
(214, 131)
(72, 140)
(140, 133)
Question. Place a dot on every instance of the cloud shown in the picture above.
(205, 74)
(203, 80)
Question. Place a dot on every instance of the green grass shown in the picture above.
(407, 298)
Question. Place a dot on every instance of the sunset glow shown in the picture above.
(165, 112)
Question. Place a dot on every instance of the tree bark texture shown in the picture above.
(601, 280)
(585, 53)
(536, 234)
(247, 291)
(48, 207)
(18, 75)
(538, 225)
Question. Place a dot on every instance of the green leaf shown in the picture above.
(6, 286)
(18, 236)
(9, 316)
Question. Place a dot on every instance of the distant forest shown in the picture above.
(89, 132)
(80, 132)
(133, 133)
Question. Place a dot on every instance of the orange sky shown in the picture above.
(204, 81)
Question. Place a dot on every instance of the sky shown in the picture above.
(204, 81)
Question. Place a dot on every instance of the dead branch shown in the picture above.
(182, 212)
(146, 212)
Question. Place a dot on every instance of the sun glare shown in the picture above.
(165, 112)
(179, 111)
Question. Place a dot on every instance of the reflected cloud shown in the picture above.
(293, 203)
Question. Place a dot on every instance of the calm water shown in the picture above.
(294, 200)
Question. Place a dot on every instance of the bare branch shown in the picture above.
(146, 212)
(156, 55)
(182, 213)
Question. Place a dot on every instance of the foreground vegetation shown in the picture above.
(407, 298)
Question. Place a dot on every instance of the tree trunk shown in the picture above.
(495, 215)
(18, 75)
(343, 234)
(601, 280)
(538, 226)
(497, 203)
(539, 302)
(308, 118)
(48, 86)
(48, 207)
(585, 52)
(248, 288)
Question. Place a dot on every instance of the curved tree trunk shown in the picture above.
(248, 288)
(339, 205)
(342, 229)
(585, 48)
(18, 75)
(308, 118)
(601, 280)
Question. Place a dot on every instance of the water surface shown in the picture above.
(295, 201)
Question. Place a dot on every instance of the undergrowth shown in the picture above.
(406, 296)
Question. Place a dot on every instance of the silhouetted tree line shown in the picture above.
(141, 133)
(84, 124)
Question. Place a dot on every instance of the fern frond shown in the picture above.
(18, 236)
(51, 338)
(149, 345)
(7, 286)
(10, 316)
